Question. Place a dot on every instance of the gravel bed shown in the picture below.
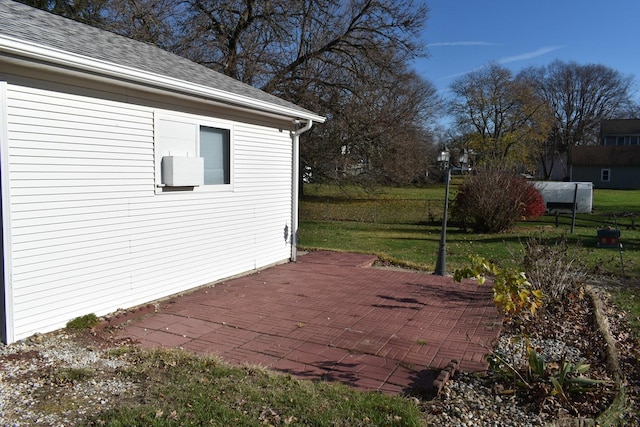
(471, 400)
(484, 400)
(468, 400)
(56, 380)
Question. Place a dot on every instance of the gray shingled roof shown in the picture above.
(620, 127)
(605, 155)
(46, 29)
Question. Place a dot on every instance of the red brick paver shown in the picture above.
(333, 317)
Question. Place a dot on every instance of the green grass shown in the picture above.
(404, 225)
(628, 299)
(186, 390)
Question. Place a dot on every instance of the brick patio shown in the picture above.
(332, 316)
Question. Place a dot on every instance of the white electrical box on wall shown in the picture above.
(182, 171)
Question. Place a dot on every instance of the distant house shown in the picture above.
(620, 132)
(130, 174)
(607, 166)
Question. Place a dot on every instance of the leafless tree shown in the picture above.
(87, 11)
(579, 97)
(151, 21)
(499, 115)
(346, 59)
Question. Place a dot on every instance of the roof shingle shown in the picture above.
(605, 156)
(49, 30)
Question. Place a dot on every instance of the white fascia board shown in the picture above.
(24, 49)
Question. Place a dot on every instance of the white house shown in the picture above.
(129, 174)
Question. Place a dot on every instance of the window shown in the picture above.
(183, 136)
(215, 148)
(605, 175)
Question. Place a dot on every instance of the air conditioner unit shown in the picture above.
(182, 171)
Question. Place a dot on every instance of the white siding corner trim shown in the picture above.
(7, 334)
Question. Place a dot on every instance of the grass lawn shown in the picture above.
(404, 225)
(186, 390)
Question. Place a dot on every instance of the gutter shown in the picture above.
(295, 180)
(63, 59)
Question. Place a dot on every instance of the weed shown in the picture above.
(559, 379)
(87, 321)
(551, 267)
(71, 375)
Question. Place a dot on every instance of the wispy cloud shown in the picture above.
(468, 43)
(529, 55)
(522, 57)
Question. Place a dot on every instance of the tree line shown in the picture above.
(532, 118)
(350, 60)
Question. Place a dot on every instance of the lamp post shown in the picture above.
(441, 262)
(443, 159)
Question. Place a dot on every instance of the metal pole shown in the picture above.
(573, 210)
(441, 262)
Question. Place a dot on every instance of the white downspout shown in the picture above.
(5, 222)
(295, 136)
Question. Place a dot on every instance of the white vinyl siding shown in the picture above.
(90, 234)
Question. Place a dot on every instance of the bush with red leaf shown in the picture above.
(534, 206)
(494, 199)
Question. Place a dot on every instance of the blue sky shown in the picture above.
(464, 35)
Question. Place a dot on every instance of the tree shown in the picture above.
(87, 11)
(151, 21)
(579, 98)
(377, 132)
(345, 59)
(499, 114)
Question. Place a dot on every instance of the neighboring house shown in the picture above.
(554, 168)
(129, 174)
(620, 132)
(616, 167)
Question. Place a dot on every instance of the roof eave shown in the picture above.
(63, 59)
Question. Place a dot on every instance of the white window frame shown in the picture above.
(606, 171)
(192, 149)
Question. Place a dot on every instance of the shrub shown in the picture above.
(551, 267)
(513, 294)
(494, 199)
(534, 206)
